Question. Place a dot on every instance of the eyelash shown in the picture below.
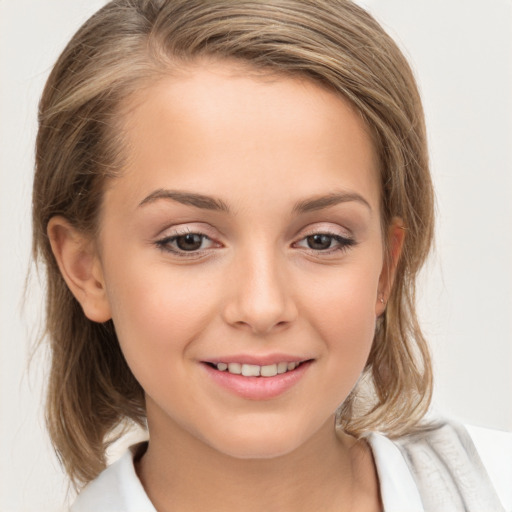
(164, 244)
(343, 244)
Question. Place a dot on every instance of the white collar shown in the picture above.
(116, 489)
(398, 489)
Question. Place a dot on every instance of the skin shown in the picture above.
(265, 149)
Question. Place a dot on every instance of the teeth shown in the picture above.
(254, 370)
(269, 370)
(235, 368)
(251, 370)
(282, 367)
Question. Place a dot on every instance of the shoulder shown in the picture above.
(116, 489)
(445, 466)
(495, 450)
(469, 465)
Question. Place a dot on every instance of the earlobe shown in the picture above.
(80, 267)
(395, 241)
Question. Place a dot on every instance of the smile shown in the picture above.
(254, 370)
(255, 381)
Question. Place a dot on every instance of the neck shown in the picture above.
(328, 472)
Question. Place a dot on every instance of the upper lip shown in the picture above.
(262, 360)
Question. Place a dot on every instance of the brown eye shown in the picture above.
(325, 243)
(189, 242)
(319, 242)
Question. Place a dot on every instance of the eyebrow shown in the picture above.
(211, 203)
(321, 202)
(188, 198)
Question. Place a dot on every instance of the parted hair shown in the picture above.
(127, 45)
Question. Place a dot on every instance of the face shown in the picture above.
(243, 236)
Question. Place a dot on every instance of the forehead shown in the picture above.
(225, 125)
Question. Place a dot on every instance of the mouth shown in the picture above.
(254, 370)
(244, 378)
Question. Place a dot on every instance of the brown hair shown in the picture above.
(127, 45)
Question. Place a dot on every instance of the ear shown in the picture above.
(80, 267)
(395, 242)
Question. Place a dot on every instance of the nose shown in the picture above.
(260, 298)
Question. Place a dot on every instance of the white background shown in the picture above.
(462, 55)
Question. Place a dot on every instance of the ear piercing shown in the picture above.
(381, 298)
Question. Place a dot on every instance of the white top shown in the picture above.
(118, 489)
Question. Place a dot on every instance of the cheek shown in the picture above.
(342, 310)
(157, 309)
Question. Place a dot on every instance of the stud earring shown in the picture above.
(381, 298)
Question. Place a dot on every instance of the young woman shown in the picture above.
(232, 200)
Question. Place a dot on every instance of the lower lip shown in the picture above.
(258, 388)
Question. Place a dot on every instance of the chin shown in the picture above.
(262, 450)
(259, 443)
